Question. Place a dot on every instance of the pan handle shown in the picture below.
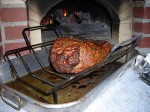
(11, 99)
(128, 42)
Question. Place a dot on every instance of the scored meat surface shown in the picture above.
(72, 55)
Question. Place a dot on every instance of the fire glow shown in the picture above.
(65, 13)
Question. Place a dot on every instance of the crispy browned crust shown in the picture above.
(72, 55)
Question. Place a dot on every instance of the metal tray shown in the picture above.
(18, 100)
(15, 69)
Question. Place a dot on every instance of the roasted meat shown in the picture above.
(72, 55)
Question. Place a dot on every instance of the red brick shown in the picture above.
(138, 27)
(1, 52)
(12, 46)
(13, 14)
(0, 11)
(0, 36)
(146, 28)
(141, 27)
(138, 12)
(145, 42)
(14, 32)
(147, 13)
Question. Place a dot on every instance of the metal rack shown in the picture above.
(116, 52)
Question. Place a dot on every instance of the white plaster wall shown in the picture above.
(36, 15)
(12, 1)
(126, 21)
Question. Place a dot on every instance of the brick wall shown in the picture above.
(141, 13)
(13, 21)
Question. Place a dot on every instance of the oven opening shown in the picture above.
(85, 18)
(94, 19)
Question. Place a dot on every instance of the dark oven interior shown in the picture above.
(84, 18)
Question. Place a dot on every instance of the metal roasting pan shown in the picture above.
(19, 100)
(11, 69)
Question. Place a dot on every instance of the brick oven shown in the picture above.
(126, 17)
(68, 74)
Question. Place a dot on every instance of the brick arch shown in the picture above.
(114, 8)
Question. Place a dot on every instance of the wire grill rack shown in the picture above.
(116, 52)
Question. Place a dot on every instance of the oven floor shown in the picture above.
(68, 94)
